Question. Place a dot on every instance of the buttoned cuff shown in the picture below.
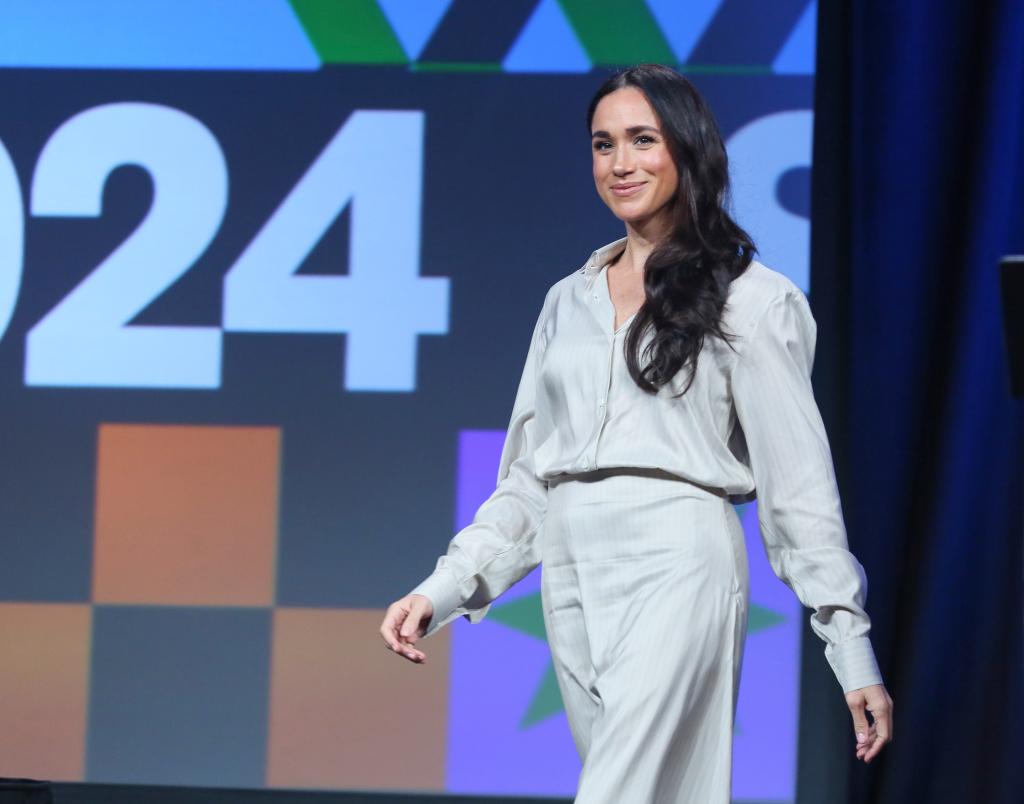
(853, 662)
(443, 592)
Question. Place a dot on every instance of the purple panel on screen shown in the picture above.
(477, 470)
(497, 671)
(765, 740)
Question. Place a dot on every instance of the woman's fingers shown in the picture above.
(857, 703)
(863, 746)
(402, 614)
(880, 706)
(410, 630)
(414, 626)
(871, 738)
(392, 620)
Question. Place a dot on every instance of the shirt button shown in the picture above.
(585, 463)
(595, 297)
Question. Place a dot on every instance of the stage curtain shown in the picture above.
(917, 191)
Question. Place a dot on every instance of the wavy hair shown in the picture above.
(687, 275)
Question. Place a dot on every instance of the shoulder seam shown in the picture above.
(789, 293)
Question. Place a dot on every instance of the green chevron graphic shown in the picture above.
(612, 33)
(349, 32)
(760, 618)
(524, 614)
(617, 32)
(456, 67)
(546, 700)
(607, 33)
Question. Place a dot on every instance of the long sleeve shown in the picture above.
(798, 501)
(499, 547)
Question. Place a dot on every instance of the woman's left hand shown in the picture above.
(871, 737)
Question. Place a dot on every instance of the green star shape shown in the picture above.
(524, 614)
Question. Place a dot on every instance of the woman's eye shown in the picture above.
(599, 146)
(643, 139)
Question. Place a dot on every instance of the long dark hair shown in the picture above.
(687, 275)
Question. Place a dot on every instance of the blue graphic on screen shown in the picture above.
(547, 44)
(684, 23)
(760, 154)
(414, 23)
(373, 163)
(797, 55)
(12, 235)
(268, 273)
(84, 340)
(155, 35)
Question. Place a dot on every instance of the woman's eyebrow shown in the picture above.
(630, 130)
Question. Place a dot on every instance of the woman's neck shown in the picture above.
(641, 240)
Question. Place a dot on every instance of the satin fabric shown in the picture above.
(645, 591)
(747, 425)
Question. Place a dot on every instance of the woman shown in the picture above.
(667, 377)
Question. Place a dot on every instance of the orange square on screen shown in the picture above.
(346, 712)
(186, 515)
(44, 680)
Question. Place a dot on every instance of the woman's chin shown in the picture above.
(635, 216)
(628, 212)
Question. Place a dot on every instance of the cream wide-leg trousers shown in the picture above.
(645, 590)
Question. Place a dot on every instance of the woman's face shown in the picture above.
(634, 172)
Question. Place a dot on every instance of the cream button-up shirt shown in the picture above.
(748, 425)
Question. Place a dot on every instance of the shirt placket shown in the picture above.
(604, 311)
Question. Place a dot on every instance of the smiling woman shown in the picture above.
(636, 176)
(660, 166)
(666, 378)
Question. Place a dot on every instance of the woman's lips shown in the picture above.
(628, 190)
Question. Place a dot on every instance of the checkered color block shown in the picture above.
(345, 712)
(178, 695)
(186, 515)
(44, 675)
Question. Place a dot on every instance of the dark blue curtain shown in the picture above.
(918, 190)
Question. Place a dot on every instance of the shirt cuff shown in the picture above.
(442, 590)
(853, 662)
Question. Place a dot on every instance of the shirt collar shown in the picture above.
(604, 255)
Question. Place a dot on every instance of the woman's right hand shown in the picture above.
(405, 621)
(871, 737)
